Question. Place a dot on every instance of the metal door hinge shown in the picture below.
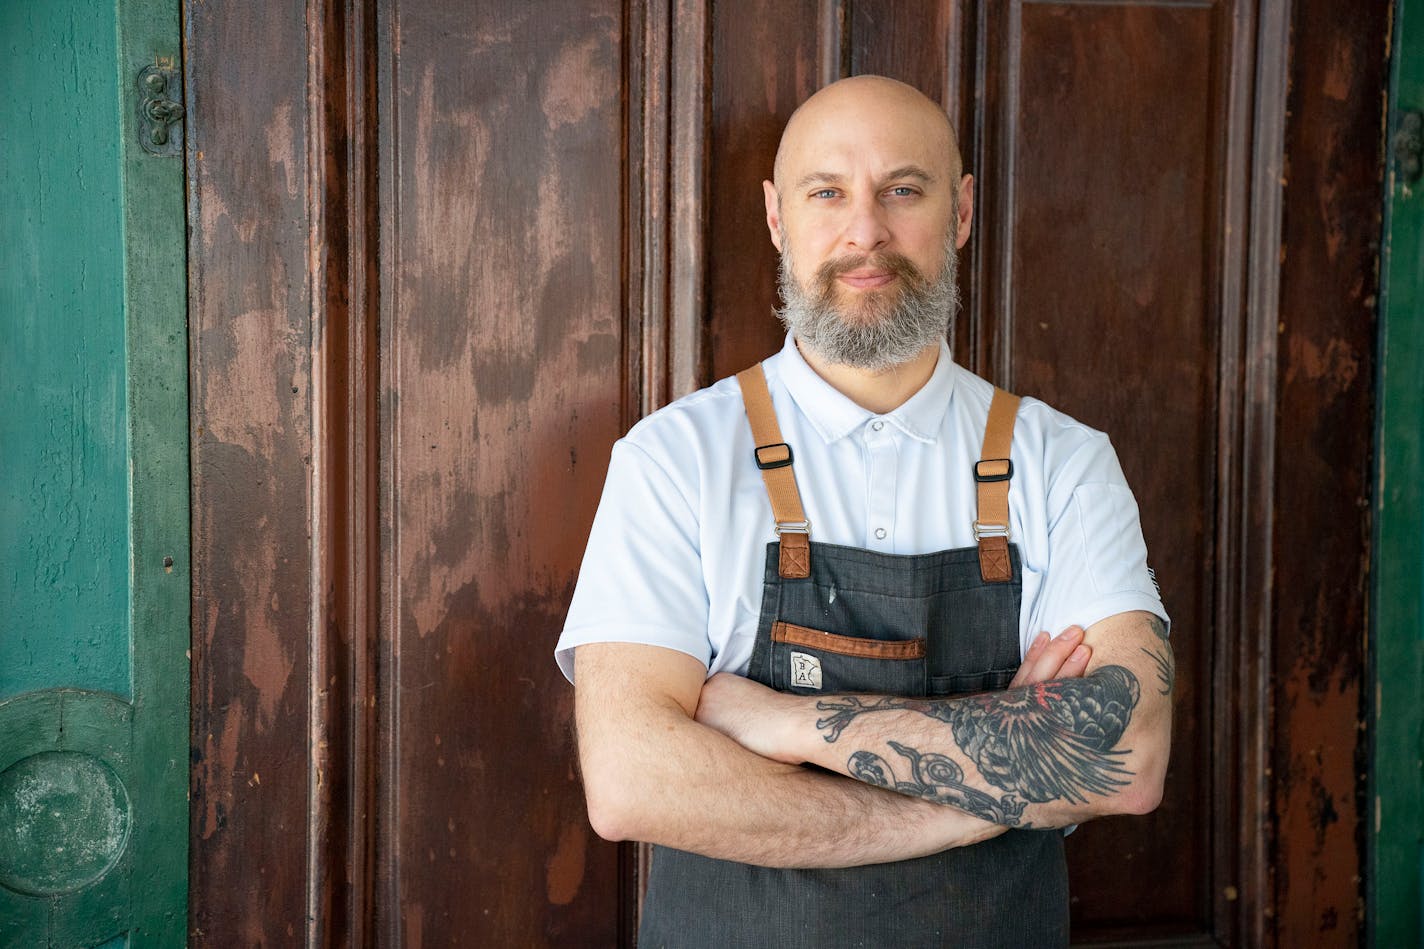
(160, 114)
(1408, 144)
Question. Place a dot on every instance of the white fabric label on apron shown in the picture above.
(805, 671)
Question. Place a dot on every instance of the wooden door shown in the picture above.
(1396, 875)
(444, 253)
(93, 477)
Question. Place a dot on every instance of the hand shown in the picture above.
(748, 713)
(1063, 657)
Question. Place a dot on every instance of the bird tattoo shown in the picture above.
(1051, 741)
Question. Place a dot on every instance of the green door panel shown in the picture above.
(94, 585)
(1396, 883)
(64, 510)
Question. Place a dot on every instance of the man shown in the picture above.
(838, 559)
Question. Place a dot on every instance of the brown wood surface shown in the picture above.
(250, 344)
(1112, 260)
(767, 57)
(284, 514)
(443, 254)
(1326, 386)
(502, 338)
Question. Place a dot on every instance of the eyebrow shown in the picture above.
(831, 178)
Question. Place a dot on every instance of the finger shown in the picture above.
(1076, 664)
(1055, 653)
(1035, 648)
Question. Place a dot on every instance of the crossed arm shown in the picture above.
(653, 772)
(1044, 754)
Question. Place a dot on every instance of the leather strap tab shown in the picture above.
(992, 474)
(994, 564)
(795, 560)
(774, 457)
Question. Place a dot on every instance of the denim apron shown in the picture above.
(842, 619)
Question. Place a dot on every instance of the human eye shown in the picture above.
(824, 194)
(903, 191)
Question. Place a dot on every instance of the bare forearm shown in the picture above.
(696, 790)
(651, 773)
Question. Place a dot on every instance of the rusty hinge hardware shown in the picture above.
(1408, 143)
(159, 112)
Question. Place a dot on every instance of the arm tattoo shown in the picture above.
(1166, 667)
(936, 778)
(1165, 662)
(1051, 741)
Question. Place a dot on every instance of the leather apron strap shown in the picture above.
(991, 474)
(774, 458)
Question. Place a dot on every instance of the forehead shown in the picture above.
(865, 135)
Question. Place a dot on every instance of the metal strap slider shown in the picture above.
(982, 530)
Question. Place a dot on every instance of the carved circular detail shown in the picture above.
(64, 822)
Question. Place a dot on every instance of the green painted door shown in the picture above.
(93, 477)
(1396, 887)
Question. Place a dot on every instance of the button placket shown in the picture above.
(884, 470)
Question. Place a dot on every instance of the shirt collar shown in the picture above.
(834, 416)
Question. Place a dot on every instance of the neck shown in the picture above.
(878, 392)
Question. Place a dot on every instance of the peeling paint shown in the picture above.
(565, 867)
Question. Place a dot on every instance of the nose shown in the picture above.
(866, 230)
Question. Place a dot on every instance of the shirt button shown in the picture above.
(879, 533)
(877, 425)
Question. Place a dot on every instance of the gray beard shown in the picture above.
(890, 330)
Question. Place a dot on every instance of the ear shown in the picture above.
(773, 212)
(965, 206)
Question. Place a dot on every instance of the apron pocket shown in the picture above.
(995, 680)
(807, 661)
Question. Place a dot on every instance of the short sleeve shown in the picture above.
(641, 579)
(1097, 561)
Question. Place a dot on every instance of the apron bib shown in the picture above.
(842, 619)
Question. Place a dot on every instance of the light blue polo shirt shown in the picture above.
(678, 546)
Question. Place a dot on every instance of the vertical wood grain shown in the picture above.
(905, 40)
(250, 326)
(667, 143)
(1244, 833)
(284, 510)
(1109, 318)
(766, 59)
(1324, 432)
(502, 341)
(342, 689)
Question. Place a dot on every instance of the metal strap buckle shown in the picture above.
(792, 527)
(982, 530)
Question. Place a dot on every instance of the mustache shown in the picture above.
(891, 262)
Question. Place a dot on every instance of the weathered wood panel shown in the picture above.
(1325, 430)
(502, 343)
(1110, 318)
(250, 325)
(766, 58)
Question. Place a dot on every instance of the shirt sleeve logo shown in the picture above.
(805, 671)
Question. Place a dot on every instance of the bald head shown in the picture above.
(866, 108)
